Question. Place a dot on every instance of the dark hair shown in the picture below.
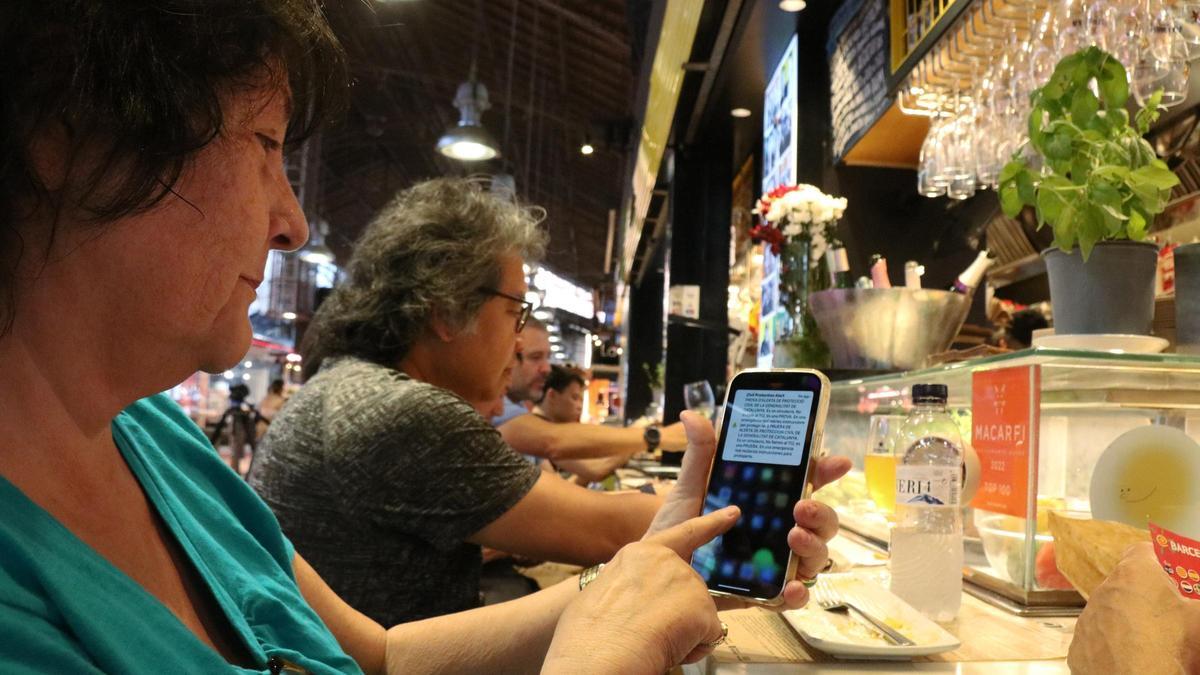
(276, 386)
(1024, 323)
(432, 248)
(560, 378)
(238, 392)
(138, 84)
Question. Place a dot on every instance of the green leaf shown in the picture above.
(1051, 199)
(1111, 172)
(1113, 83)
(1083, 107)
(1010, 170)
(1155, 174)
(1090, 230)
(1025, 187)
(1148, 115)
(1064, 229)
(1010, 199)
(1058, 146)
(1105, 194)
(1136, 227)
(1037, 121)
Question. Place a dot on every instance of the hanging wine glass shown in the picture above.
(926, 164)
(1187, 17)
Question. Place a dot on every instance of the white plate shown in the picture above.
(1104, 342)
(846, 635)
(1149, 473)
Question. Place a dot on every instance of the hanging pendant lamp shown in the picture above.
(469, 141)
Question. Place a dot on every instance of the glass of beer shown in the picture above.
(879, 463)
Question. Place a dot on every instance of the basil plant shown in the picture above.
(1099, 179)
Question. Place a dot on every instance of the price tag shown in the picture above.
(1180, 558)
(1004, 422)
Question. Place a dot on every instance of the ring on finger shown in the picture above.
(719, 641)
(812, 581)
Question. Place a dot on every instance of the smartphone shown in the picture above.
(769, 437)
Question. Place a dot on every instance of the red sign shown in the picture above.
(1180, 557)
(1004, 424)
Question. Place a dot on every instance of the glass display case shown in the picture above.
(1037, 421)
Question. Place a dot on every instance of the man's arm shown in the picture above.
(563, 522)
(592, 470)
(532, 435)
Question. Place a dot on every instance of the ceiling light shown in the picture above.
(320, 254)
(248, 364)
(586, 149)
(792, 5)
(229, 374)
(740, 112)
(293, 357)
(469, 141)
(316, 251)
(554, 339)
(289, 316)
(245, 377)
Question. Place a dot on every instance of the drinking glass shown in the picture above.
(698, 397)
(879, 462)
(1187, 16)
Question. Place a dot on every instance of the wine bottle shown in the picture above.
(912, 274)
(970, 277)
(839, 267)
(879, 274)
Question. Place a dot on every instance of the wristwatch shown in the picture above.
(652, 436)
(589, 575)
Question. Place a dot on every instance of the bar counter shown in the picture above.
(995, 642)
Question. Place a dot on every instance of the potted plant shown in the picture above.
(1098, 183)
(798, 223)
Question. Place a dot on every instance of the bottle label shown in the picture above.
(927, 485)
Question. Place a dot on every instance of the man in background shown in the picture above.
(531, 365)
(562, 403)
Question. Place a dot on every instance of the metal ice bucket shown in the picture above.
(887, 328)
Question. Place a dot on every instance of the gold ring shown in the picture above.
(809, 583)
(719, 641)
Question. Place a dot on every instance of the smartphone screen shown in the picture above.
(761, 465)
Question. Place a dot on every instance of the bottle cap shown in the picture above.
(930, 393)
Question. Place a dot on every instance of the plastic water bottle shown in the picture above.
(927, 543)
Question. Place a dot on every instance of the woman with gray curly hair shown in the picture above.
(379, 468)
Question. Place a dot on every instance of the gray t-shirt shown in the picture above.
(378, 479)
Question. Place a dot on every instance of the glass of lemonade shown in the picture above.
(879, 463)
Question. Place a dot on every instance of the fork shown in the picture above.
(830, 600)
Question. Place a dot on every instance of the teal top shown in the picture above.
(65, 609)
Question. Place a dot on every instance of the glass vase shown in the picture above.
(799, 344)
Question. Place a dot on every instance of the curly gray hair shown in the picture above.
(432, 247)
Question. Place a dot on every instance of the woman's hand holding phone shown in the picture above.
(647, 610)
(815, 523)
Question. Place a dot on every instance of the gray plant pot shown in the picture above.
(1113, 292)
(1187, 299)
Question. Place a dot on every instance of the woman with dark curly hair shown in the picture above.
(141, 189)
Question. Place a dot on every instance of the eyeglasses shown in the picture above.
(526, 306)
